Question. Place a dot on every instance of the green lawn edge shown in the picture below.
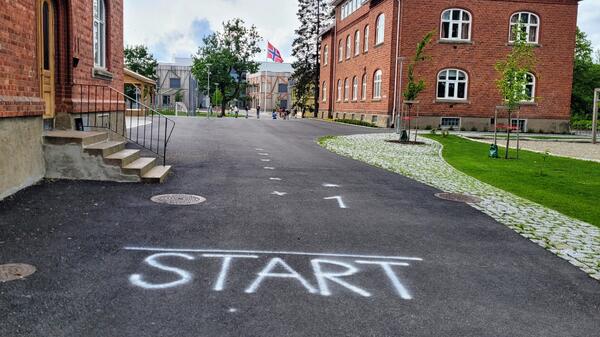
(569, 186)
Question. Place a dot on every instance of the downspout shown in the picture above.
(333, 84)
(398, 36)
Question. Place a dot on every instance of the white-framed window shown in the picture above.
(350, 7)
(530, 23)
(324, 91)
(380, 29)
(452, 84)
(346, 90)
(364, 87)
(99, 38)
(325, 55)
(450, 122)
(456, 25)
(339, 90)
(355, 89)
(520, 124)
(366, 44)
(530, 87)
(377, 81)
(348, 46)
(340, 51)
(357, 43)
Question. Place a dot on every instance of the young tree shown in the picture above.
(313, 16)
(414, 87)
(228, 55)
(140, 60)
(513, 76)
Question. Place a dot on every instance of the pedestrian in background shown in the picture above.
(258, 112)
(246, 108)
(236, 110)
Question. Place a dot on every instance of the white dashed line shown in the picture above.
(266, 160)
(339, 199)
(263, 154)
(330, 185)
(281, 194)
(269, 168)
(276, 179)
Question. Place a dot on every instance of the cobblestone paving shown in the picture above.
(573, 240)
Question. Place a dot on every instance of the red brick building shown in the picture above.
(49, 49)
(364, 59)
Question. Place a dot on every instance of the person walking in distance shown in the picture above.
(246, 108)
(236, 110)
(258, 112)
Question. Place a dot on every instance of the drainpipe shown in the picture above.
(333, 84)
(398, 36)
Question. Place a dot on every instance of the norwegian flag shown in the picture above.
(273, 53)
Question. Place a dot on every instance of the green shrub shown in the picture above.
(581, 125)
(428, 127)
(474, 129)
(433, 131)
(356, 122)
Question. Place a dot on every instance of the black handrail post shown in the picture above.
(165, 146)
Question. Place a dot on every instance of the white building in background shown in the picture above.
(269, 86)
(175, 80)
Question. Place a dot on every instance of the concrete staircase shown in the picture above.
(93, 155)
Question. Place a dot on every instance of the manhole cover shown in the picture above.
(459, 198)
(11, 272)
(178, 199)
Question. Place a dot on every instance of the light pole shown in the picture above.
(595, 116)
(209, 110)
(398, 116)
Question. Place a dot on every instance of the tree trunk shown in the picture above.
(223, 106)
(508, 127)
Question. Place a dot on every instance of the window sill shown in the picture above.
(451, 101)
(379, 45)
(376, 100)
(528, 104)
(449, 41)
(102, 74)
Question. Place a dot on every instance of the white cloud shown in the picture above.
(172, 27)
(589, 20)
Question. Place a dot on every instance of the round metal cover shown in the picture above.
(178, 199)
(459, 198)
(11, 272)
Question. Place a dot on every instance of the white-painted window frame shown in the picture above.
(451, 22)
(456, 83)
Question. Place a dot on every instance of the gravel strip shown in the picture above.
(573, 240)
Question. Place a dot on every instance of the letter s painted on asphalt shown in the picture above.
(184, 276)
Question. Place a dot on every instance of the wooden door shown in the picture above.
(46, 38)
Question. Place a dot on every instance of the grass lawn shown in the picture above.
(569, 186)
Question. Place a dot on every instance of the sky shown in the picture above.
(176, 27)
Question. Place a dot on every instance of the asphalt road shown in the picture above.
(277, 257)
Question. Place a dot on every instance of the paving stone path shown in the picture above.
(573, 240)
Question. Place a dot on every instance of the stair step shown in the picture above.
(74, 137)
(157, 174)
(140, 167)
(123, 157)
(105, 148)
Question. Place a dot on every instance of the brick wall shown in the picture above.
(489, 43)
(19, 73)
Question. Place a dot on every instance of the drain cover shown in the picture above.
(178, 199)
(459, 198)
(11, 272)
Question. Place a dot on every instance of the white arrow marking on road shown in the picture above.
(269, 168)
(266, 160)
(276, 179)
(330, 185)
(281, 194)
(339, 199)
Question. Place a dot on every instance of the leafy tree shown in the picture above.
(586, 77)
(513, 75)
(140, 60)
(228, 55)
(314, 16)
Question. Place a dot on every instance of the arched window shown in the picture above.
(364, 87)
(357, 43)
(324, 92)
(452, 84)
(339, 90)
(99, 28)
(366, 44)
(348, 46)
(355, 89)
(530, 87)
(456, 25)
(530, 24)
(340, 51)
(346, 89)
(380, 29)
(325, 55)
(377, 80)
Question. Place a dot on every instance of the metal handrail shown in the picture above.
(105, 107)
